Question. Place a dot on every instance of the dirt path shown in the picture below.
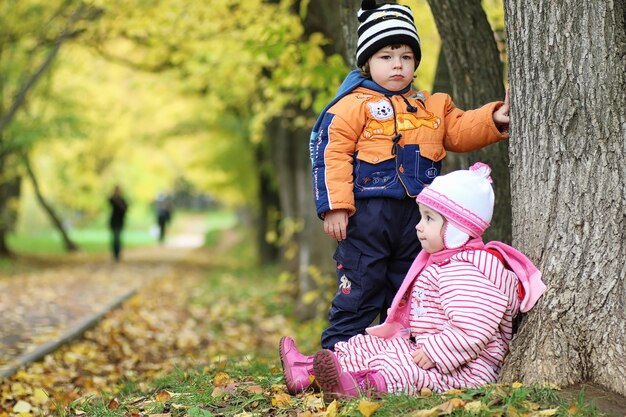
(45, 307)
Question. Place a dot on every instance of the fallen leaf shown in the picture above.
(433, 412)
(162, 396)
(40, 396)
(449, 406)
(332, 409)
(475, 407)
(454, 391)
(255, 389)
(512, 411)
(426, 392)
(221, 379)
(516, 385)
(22, 407)
(572, 410)
(281, 400)
(18, 389)
(314, 402)
(305, 414)
(548, 412)
(367, 408)
(113, 404)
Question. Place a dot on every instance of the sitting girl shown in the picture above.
(451, 322)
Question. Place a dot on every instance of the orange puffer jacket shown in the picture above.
(372, 145)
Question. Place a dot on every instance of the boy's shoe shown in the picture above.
(336, 383)
(297, 368)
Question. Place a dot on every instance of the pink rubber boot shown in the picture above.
(337, 383)
(297, 368)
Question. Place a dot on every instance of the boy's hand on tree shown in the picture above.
(421, 359)
(335, 223)
(501, 116)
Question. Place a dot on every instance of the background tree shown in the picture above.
(476, 78)
(568, 91)
(31, 35)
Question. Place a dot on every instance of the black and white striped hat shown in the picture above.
(382, 25)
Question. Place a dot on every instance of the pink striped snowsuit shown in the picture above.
(461, 313)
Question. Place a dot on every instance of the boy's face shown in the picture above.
(429, 229)
(392, 67)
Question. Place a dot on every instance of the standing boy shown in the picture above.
(373, 149)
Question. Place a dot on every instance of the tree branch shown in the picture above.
(20, 97)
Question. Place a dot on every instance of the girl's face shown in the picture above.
(429, 229)
(392, 67)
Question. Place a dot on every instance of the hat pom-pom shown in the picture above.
(482, 170)
(368, 4)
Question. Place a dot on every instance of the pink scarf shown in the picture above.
(396, 324)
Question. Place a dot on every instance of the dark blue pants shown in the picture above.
(372, 262)
(116, 242)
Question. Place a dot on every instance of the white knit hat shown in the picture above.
(383, 25)
(465, 198)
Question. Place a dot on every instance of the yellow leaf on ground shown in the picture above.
(516, 385)
(367, 408)
(512, 411)
(221, 379)
(305, 414)
(475, 407)
(449, 406)
(572, 409)
(549, 412)
(281, 400)
(454, 391)
(433, 412)
(332, 409)
(40, 396)
(314, 402)
(426, 392)
(22, 407)
(18, 389)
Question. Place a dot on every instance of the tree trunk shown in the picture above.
(349, 23)
(267, 220)
(306, 251)
(10, 186)
(68, 243)
(476, 76)
(568, 91)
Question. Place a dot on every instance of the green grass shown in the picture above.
(254, 385)
(88, 240)
(95, 238)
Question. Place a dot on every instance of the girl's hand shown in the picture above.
(421, 359)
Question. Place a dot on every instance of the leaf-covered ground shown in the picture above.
(200, 339)
(161, 328)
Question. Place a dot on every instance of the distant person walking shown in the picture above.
(164, 215)
(116, 222)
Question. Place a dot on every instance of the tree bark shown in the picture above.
(266, 221)
(476, 77)
(568, 92)
(68, 243)
(10, 186)
(306, 251)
